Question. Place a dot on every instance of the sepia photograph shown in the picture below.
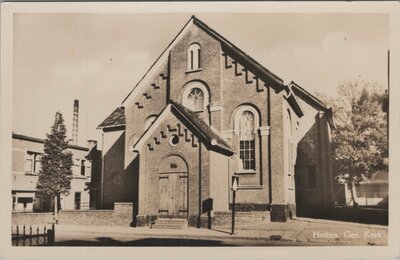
(198, 128)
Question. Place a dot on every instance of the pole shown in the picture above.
(56, 209)
(233, 211)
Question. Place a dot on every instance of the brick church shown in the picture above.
(204, 112)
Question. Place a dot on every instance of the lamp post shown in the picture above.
(235, 184)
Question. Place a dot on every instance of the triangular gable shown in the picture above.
(248, 61)
(195, 124)
(144, 81)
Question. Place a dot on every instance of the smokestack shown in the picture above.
(75, 122)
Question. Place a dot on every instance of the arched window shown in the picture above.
(195, 99)
(246, 122)
(149, 121)
(194, 57)
(195, 96)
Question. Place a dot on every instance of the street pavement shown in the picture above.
(297, 232)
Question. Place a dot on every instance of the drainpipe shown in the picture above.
(269, 148)
(102, 171)
(199, 221)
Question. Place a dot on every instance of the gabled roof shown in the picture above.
(244, 58)
(292, 100)
(227, 46)
(115, 119)
(193, 122)
(210, 135)
(312, 100)
(40, 140)
(247, 61)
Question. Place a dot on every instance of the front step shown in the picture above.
(170, 223)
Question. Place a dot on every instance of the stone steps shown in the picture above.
(170, 223)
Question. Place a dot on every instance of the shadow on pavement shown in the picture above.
(221, 230)
(107, 241)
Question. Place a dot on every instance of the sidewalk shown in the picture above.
(297, 230)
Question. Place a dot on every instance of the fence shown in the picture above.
(24, 237)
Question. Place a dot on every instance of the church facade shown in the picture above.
(204, 112)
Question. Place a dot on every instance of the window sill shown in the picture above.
(250, 187)
(195, 110)
(31, 173)
(193, 71)
(79, 177)
(244, 172)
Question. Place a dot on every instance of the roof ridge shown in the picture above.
(230, 44)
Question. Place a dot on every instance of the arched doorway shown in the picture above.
(173, 179)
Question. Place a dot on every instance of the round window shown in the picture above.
(174, 140)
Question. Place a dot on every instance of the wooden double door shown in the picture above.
(173, 185)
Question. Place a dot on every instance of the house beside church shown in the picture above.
(26, 164)
(27, 154)
(206, 111)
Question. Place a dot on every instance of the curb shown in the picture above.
(203, 236)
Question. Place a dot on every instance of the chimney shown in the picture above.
(75, 122)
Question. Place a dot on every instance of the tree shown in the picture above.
(56, 174)
(360, 142)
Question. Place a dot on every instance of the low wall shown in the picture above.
(122, 215)
(225, 218)
(361, 215)
(29, 218)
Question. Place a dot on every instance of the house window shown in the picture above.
(77, 200)
(312, 177)
(194, 55)
(195, 96)
(33, 162)
(149, 121)
(83, 167)
(14, 200)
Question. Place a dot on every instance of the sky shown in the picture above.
(99, 58)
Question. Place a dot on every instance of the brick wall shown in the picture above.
(151, 104)
(225, 218)
(22, 218)
(114, 177)
(210, 64)
(122, 215)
